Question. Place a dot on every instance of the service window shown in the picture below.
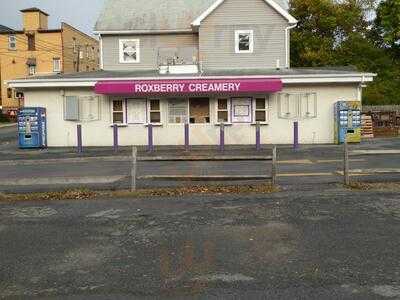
(118, 111)
(261, 109)
(244, 41)
(223, 111)
(136, 111)
(155, 111)
(199, 110)
(177, 111)
(242, 111)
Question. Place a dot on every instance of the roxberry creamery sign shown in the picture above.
(189, 86)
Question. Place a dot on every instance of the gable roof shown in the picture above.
(142, 16)
(5, 29)
(283, 12)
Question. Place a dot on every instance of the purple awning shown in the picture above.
(189, 86)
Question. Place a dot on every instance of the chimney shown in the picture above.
(34, 19)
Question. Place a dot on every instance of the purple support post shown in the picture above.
(187, 137)
(115, 134)
(150, 147)
(296, 136)
(258, 137)
(222, 137)
(79, 138)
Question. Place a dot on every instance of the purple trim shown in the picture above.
(126, 111)
(189, 86)
(115, 134)
(79, 138)
(187, 136)
(150, 147)
(296, 136)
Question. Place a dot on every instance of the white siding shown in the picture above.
(279, 131)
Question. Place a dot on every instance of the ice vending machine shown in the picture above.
(348, 121)
(32, 127)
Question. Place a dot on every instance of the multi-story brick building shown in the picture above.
(37, 50)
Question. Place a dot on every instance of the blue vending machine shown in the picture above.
(348, 121)
(32, 128)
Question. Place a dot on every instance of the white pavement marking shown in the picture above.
(63, 160)
(305, 174)
(109, 214)
(372, 152)
(60, 180)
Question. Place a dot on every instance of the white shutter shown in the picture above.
(137, 111)
(90, 108)
(309, 105)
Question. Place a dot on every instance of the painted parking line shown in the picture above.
(306, 174)
(296, 161)
(323, 161)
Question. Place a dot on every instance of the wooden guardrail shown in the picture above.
(347, 172)
(135, 159)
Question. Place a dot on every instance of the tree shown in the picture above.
(387, 25)
(340, 33)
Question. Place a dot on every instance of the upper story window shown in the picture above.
(244, 41)
(31, 42)
(56, 65)
(74, 48)
(12, 42)
(32, 69)
(129, 51)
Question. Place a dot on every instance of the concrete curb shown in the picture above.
(61, 180)
(8, 125)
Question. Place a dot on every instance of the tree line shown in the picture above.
(361, 34)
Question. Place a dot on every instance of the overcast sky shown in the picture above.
(79, 13)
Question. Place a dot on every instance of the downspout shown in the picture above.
(287, 46)
(101, 52)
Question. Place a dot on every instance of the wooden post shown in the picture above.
(346, 163)
(133, 170)
(274, 168)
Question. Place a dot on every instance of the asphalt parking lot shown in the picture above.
(335, 244)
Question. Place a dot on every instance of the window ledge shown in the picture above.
(154, 124)
(226, 124)
(119, 125)
(261, 123)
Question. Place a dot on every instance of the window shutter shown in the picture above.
(90, 108)
(71, 108)
(136, 111)
(309, 105)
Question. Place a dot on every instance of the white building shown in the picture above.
(202, 62)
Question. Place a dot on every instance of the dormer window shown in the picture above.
(129, 51)
(244, 41)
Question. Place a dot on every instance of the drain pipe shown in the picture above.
(287, 32)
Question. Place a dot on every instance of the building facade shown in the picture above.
(196, 62)
(37, 50)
